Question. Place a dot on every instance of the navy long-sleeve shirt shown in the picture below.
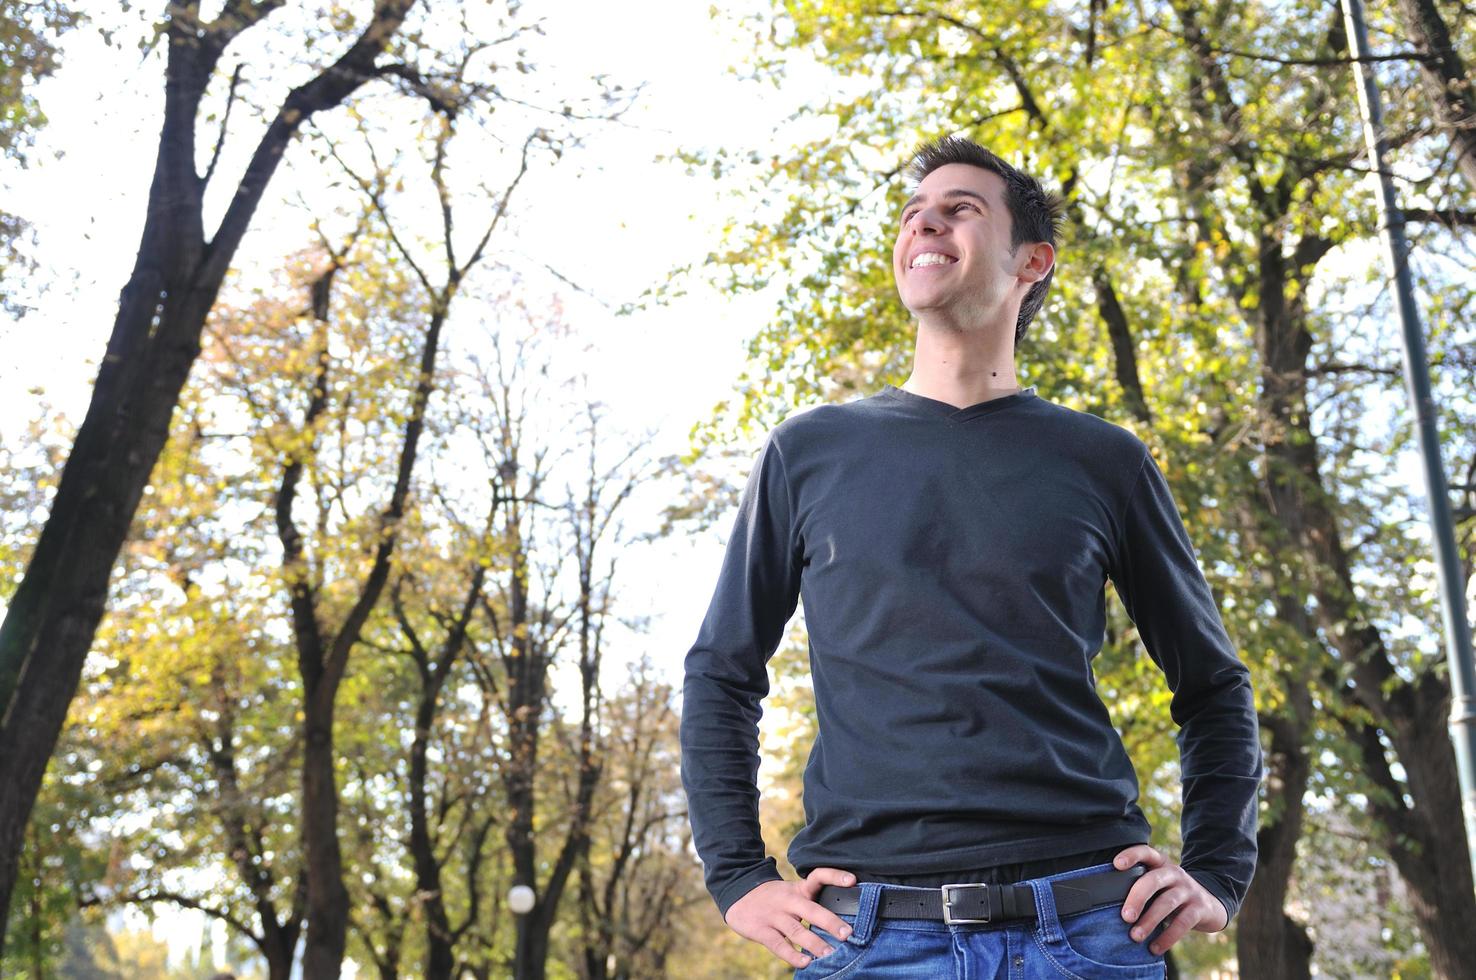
(953, 564)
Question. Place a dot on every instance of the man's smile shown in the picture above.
(928, 258)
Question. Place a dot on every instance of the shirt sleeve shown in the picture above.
(726, 679)
(1166, 596)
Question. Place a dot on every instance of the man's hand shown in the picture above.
(770, 914)
(1184, 902)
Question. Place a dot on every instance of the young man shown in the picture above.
(966, 797)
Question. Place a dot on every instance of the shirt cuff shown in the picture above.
(1213, 887)
(742, 885)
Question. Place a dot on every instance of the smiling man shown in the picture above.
(969, 808)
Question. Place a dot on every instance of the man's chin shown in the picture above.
(927, 303)
(946, 308)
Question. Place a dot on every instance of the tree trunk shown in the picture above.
(1268, 942)
(279, 966)
(327, 932)
(278, 939)
(594, 928)
(323, 661)
(527, 674)
(531, 959)
(55, 611)
(441, 937)
(1426, 841)
(526, 696)
(440, 958)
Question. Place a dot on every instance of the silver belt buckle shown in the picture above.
(948, 902)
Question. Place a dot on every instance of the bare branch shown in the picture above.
(1451, 218)
(325, 90)
(183, 901)
(502, 205)
(225, 121)
(1333, 368)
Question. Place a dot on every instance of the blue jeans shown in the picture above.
(1090, 945)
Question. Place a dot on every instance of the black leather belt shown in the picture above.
(969, 902)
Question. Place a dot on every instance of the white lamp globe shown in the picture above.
(520, 899)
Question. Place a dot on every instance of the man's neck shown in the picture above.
(962, 367)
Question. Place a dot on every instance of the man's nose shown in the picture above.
(928, 219)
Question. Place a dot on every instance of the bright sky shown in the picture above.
(619, 228)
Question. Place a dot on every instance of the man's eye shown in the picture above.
(907, 215)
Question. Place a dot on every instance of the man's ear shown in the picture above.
(1039, 259)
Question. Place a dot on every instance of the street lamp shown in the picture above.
(520, 899)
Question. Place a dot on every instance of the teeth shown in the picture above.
(931, 258)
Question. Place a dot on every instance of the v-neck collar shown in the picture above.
(952, 412)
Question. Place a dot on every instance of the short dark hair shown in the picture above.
(1035, 213)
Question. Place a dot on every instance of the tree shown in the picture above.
(323, 656)
(54, 612)
(532, 617)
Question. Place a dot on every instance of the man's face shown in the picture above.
(952, 254)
